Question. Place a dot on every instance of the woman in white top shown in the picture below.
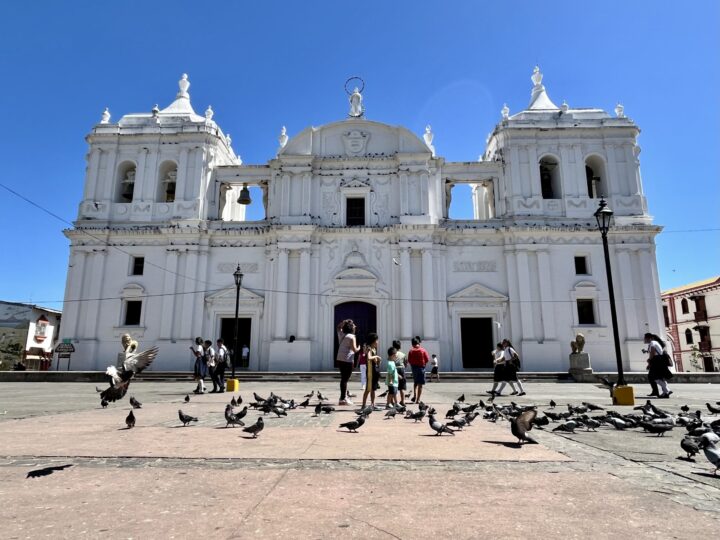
(658, 371)
(199, 367)
(345, 359)
(510, 368)
(499, 377)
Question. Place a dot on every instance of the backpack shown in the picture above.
(515, 359)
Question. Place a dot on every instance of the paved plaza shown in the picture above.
(302, 477)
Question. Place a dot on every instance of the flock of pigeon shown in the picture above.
(700, 434)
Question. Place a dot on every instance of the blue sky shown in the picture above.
(266, 64)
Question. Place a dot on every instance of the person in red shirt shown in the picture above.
(418, 359)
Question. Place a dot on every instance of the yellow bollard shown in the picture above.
(233, 385)
(624, 395)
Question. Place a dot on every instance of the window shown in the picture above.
(688, 337)
(666, 316)
(586, 311)
(138, 266)
(595, 177)
(125, 183)
(684, 306)
(355, 212)
(167, 181)
(581, 265)
(550, 178)
(133, 309)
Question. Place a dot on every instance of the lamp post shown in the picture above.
(238, 275)
(604, 215)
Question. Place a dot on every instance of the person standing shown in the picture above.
(400, 365)
(512, 366)
(498, 370)
(222, 356)
(417, 358)
(362, 362)
(373, 370)
(391, 378)
(199, 367)
(434, 368)
(211, 362)
(658, 364)
(345, 358)
(245, 356)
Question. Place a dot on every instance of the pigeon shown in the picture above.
(103, 404)
(279, 411)
(685, 408)
(713, 410)
(230, 417)
(135, 403)
(567, 427)
(353, 425)
(233, 403)
(609, 385)
(459, 424)
(185, 418)
(327, 409)
(618, 423)
(417, 416)
(469, 408)
(521, 425)
(304, 403)
(242, 413)
(120, 380)
(187, 398)
(552, 416)
(130, 420)
(590, 423)
(452, 412)
(592, 407)
(258, 398)
(438, 427)
(98, 390)
(321, 397)
(540, 421)
(391, 414)
(310, 395)
(552, 404)
(256, 428)
(659, 429)
(690, 446)
(367, 411)
(46, 471)
(711, 448)
(461, 399)
(318, 408)
(469, 417)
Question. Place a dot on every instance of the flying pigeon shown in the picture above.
(438, 427)
(230, 417)
(120, 380)
(395, 262)
(690, 446)
(130, 420)
(135, 403)
(353, 425)
(256, 428)
(521, 425)
(709, 444)
(187, 398)
(46, 471)
(185, 418)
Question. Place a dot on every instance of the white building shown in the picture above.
(357, 226)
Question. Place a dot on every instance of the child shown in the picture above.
(391, 378)
(373, 370)
(434, 370)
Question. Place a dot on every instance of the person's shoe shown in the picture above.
(515, 393)
(213, 391)
(350, 395)
(376, 408)
(490, 392)
(196, 391)
(521, 394)
(653, 395)
(670, 393)
(221, 391)
(412, 400)
(348, 402)
(342, 402)
(664, 396)
(497, 394)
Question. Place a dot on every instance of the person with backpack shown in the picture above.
(658, 363)
(512, 366)
(221, 359)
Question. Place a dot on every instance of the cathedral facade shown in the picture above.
(357, 226)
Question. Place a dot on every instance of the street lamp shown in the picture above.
(238, 275)
(604, 215)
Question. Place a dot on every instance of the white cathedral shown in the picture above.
(357, 226)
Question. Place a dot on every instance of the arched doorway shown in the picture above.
(363, 314)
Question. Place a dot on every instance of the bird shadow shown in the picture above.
(683, 458)
(124, 428)
(174, 427)
(430, 435)
(345, 431)
(505, 444)
(707, 475)
(247, 437)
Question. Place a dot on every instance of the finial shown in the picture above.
(105, 116)
(428, 135)
(537, 76)
(564, 107)
(620, 110)
(505, 111)
(155, 110)
(283, 138)
(184, 84)
(209, 113)
(228, 138)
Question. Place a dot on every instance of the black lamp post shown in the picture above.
(238, 275)
(604, 215)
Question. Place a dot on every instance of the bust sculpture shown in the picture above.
(579, 344)
(129, 345)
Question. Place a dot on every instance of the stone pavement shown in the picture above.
(305, 478)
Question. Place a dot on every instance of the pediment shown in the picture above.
(225, 295)
(355, 274)
(585, 284)
(477, 292)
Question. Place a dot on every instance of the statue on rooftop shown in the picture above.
(356, 105)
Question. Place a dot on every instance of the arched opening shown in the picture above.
(595, 177)
(684, 307)
(125, 182)
(364, 316)
(688, 337)
(167, 182)
(550, 182)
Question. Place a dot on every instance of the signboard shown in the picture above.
(65, 348)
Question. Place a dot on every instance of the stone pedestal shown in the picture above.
(580, 364)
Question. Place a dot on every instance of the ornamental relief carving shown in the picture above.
(475, 266)
(245, 268)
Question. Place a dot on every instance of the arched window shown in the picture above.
(595, 177)
(688, 336)
(684, 306)
(550, 184)
(167, 182)
(125, 182)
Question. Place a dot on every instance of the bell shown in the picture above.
(244, 197)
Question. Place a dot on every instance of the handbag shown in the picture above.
(516, 360)
(668, 360)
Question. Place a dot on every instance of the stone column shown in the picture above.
(546, 295)
(92, 180)
(405, 293)
(181, 175)
(428, 295)
(627, 293)
(303, 303)
(526, 312)
(281, 287)
(534, 165)
(168, 301)
(140, 176)
(76, 279)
